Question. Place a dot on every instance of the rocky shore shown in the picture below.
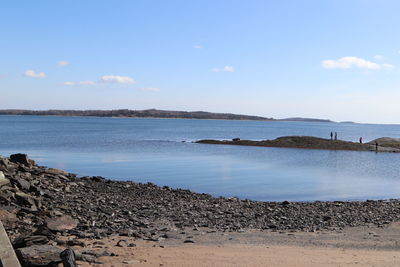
(310, 142)
(41, 206)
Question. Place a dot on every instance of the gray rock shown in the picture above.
(56, 172)
(23, 184)
(8, 219)
(26, 200)
(3, 179)
(26, 241)
(62, 223)
(122, 243)
(38, 255)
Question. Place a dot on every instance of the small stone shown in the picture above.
(130, 261)
(75, 242)
(122, 243)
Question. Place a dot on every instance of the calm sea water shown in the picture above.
(151, 150)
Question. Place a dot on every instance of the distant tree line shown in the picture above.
(148, 113)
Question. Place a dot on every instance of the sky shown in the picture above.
(337, 59)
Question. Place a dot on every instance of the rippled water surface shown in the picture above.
(152, 150)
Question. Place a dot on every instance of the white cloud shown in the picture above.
(354, 62)
(152, 89)
(117, 79)
(33, 74)
(378, 57)
(198, 46)
(226, 68)
(229, 68)
(62, 63)
(80, 83)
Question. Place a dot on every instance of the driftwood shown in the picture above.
(68, 258)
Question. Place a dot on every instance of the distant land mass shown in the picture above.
(306, 119)
(150, 113)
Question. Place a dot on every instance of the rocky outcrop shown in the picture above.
(387, 142)
(308, 142)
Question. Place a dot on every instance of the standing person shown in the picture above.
(360, 140)
(335, 135)
(331, 136)
(376, 146)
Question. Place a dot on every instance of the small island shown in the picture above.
(384, 144)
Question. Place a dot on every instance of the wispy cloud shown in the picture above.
(388, 66)
(80, 83)
(226, 68)
(151, 89)
(117, 79)
(379, 57)
(62, 63)
(354, 62)
(198, 46)
(33, 74)
(105, 79)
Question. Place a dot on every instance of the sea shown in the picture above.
(161, 151)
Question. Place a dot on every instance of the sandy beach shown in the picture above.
(361, 246)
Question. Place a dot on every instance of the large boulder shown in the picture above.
(39, 255)
(22, 159)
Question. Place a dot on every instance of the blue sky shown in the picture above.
(325, 59)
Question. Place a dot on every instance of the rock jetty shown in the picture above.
(310, 142)
(38, 205)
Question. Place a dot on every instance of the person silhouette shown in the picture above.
(360, 140)
(335, 135)
(331, 136)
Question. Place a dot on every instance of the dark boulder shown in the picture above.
(22, 159)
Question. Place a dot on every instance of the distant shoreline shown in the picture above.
(153, 113)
